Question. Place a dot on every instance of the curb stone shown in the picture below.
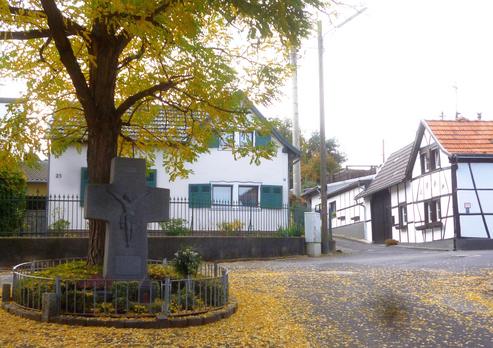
(159, 322)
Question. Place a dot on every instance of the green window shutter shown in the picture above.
(214, 141)
(271, 197)
(199, 195)
(262, 140)
(151, 178)
(84, 179)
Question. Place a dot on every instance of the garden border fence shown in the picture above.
(63, 216)
(113, 297)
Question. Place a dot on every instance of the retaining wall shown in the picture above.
(356, 231)
(14, 250)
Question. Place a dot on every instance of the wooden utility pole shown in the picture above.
(323, 149)
(296, 126)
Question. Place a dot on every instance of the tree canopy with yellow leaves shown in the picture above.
(94, 69)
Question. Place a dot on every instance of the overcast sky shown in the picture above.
(388, 68)
(392, 66)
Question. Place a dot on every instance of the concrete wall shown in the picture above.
(18, 250)
(356, 231)
(474, 244)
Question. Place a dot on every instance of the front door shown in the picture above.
(381, 216)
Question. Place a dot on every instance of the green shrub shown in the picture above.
(180, 301)
(139, 309)
(230, 228)
(105, 308)
(187, 261)
(12, 200)
(160, 272)
(175, 227)
(291, 231)
(71, 270)
(60, 225)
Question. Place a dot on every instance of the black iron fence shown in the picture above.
(63, 215)
(110, 297)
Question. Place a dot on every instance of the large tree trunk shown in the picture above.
(101, 148)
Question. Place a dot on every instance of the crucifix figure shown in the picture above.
(127, 219)
(127, 204)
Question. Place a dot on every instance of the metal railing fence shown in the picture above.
(63, 215)
(109, 297)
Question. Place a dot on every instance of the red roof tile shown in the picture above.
(463, 136)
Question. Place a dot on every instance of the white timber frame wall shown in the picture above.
(218, 167)
(423, 208)
(475, 198)
(348, 211)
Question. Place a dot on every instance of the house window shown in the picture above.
(425, 160)
(332, 207)
(244, 139)
(432, 211)
(402, 215)
(226, 141)
(222, 194)
(430, 160)
(434, 159)
(248, 195)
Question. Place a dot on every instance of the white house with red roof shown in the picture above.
(439, 188)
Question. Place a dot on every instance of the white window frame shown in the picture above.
(214, 200)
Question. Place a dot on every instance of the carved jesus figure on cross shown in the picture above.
(127, 219)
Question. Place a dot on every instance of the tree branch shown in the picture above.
(134, 110)
(41, 54)
(135, 56)
(148, 92)
(24, 35)
(26, 11)
(158, 10)
(202, 100)
(72, 27)
(67, 56)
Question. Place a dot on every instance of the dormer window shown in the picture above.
(430, 160)
(434, 159)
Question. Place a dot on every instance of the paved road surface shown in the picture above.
(377, 296)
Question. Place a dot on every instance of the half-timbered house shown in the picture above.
(440, 187)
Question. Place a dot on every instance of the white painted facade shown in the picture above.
(218, 167)
(475, 199)
(350, 213)
(415, 194)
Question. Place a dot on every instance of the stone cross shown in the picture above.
(127, 204)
